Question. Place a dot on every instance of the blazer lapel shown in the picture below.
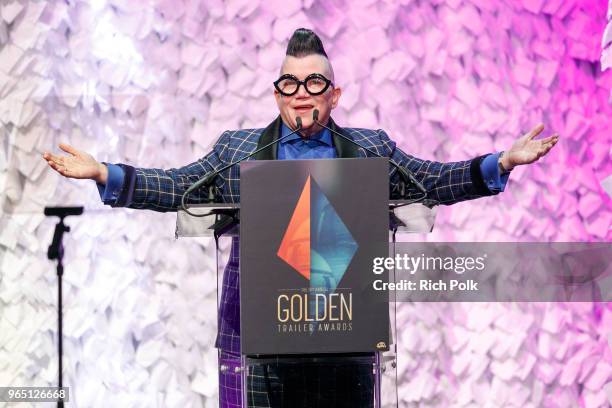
(344, 148)
(269, 134)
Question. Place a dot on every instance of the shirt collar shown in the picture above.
(323, 136)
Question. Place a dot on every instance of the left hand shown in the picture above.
(527, 150)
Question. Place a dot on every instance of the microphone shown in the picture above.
(209, 178)
(405, 174)
(63, 211)
(56, 250)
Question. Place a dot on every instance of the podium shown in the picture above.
(313, 331)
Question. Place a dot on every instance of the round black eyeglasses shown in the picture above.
(315, 84)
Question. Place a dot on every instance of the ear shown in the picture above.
(336, 93)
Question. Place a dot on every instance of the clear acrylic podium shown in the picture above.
(222, 223)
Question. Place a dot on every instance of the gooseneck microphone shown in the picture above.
(208, 179)
(405, 174)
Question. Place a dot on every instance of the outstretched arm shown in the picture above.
(449, 183)
(154, 189)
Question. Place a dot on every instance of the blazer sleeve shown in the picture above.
(446, 183)
(161, 190)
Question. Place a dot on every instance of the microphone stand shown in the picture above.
(405, 175)
(208, 179)
(56, 251)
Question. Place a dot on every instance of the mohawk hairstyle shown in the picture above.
(305, 42)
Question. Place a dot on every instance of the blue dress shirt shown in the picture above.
(114, 184)
(489, 168)
(318, 146)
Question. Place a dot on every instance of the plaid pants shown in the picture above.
(334, 384)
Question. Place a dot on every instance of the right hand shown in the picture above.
(78, 165)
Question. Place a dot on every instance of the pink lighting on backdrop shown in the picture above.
(154, 83)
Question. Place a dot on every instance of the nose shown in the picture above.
(302, 93)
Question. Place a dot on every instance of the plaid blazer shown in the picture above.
(161, 190)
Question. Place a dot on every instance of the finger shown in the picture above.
(48, 156)
(551, 143)
(53, 158)
(59, 160)
(544, 151)
(549, 139)
(544, 145)
(549, 147)
(535, 131)
(68, 149)
(61, 170)
(56, 167)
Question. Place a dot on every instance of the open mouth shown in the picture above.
(304, 108)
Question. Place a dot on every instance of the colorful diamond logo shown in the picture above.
(317, 243)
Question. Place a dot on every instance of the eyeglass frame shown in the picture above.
(328, 83)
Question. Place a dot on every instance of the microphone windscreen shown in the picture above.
(298, 122)
(315, 115)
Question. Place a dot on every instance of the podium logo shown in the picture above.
(317, 244)
(381, 345)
